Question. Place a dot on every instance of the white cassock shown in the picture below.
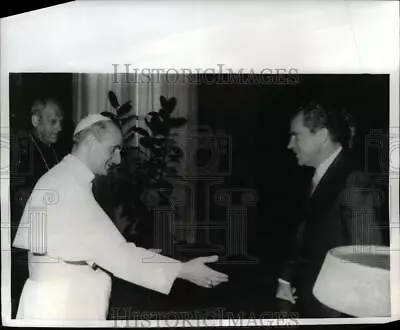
(63, 220)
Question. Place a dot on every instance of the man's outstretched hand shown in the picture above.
(197, 272)
(286, 292)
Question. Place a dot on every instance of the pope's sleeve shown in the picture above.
(96, 239)
(129, 262)
(78, 229)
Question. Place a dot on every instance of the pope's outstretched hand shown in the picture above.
(197, 272)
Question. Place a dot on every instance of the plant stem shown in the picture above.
(165, 156)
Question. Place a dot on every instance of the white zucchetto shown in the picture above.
(88, 121)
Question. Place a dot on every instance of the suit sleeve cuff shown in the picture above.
(280, 280)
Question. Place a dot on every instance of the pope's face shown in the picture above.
(107, 151)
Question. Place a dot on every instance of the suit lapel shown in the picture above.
(328, 188)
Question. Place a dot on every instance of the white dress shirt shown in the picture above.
(319, 173)
(323, 167)
(63, 222)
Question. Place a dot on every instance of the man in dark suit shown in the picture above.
(340, 209)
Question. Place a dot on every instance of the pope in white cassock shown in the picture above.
(67, 235)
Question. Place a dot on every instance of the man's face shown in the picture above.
(305, 144)
(49, 124)
(106, 153)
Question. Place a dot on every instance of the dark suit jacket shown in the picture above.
(342, 211)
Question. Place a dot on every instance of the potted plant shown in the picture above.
(149, 168)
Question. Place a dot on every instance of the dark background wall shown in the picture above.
(256, 117)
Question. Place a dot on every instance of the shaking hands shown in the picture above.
(197, 272)
(286, 292)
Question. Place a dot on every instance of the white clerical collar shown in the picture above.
(323, 167)
(80, 170)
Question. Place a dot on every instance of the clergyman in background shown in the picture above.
(32, 160)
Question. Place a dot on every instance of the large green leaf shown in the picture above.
(164, 128)
(112, 116)
(129, 132)
(168, 105)
(113, 99)
(163, 101)
(155, 124)
(124, 109)
(148, 123)
(140, 130)
(164, 113)
(129, 137)
(125, 120)
(171, 104)
(146, 141)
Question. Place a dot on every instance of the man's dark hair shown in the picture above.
(336, 120)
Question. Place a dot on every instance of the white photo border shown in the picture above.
(344, 37)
